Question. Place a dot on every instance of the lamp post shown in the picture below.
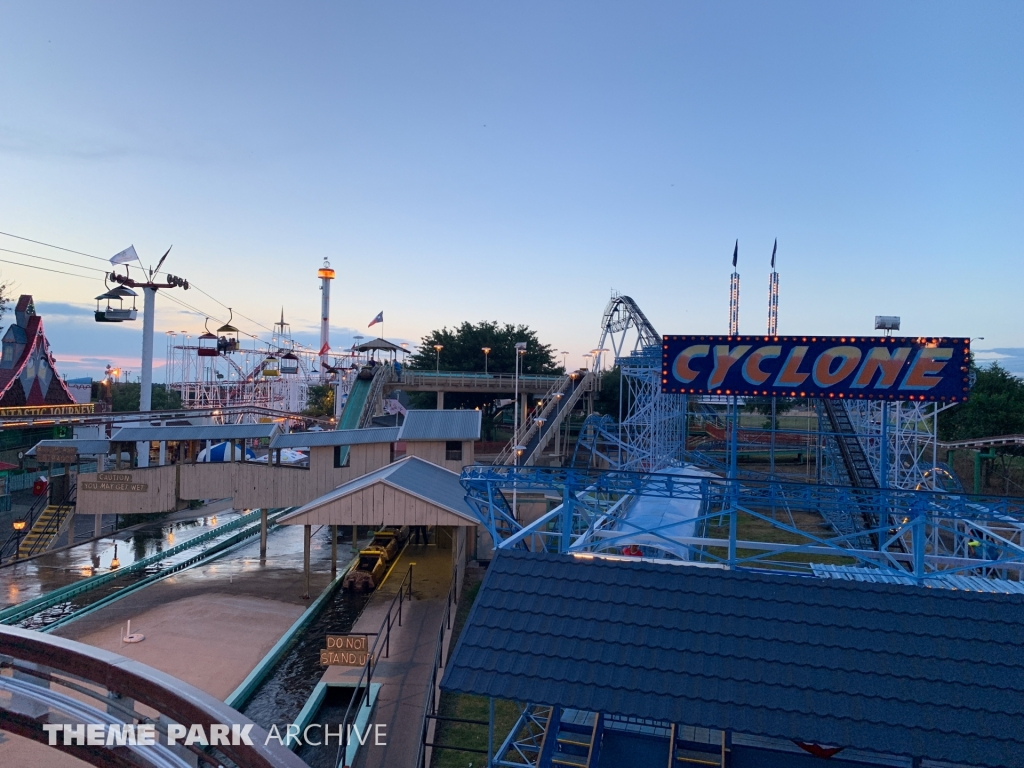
(19, 528)
(565, 355)
(517, 449)
(437, 357)
(487, 351)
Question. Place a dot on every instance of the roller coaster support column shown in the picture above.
(883, 474)
(978, 456)
(917, 537)
(734, 446)
(567, 499)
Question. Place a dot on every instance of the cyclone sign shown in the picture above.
(853, 367)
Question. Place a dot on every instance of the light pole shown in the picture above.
(487, 351)
(597, 358)
(437, 357)
(19, 529)
(516, 448)
(565, 355)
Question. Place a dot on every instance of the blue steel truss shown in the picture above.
(926, 534)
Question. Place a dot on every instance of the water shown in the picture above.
(284, 692)
(142, 543)
(331, 712)
(24, 581)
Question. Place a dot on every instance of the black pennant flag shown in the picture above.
(735, 253)
(774, 249)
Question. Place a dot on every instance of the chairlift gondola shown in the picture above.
(119, 314)
(228, 341)
(270, 366)
(289, 363)
(208, 343)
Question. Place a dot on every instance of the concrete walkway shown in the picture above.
(405, 673)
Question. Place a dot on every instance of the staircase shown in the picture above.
(687, 754)
(558, 401)
(572, 740)
(47, 526)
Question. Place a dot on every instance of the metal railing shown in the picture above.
(75, 683)
(432, 697)
(63, 513)
(361, 695)
(9, 549)
(487, 382)
(549, 418)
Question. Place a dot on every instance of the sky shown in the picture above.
(518, 162)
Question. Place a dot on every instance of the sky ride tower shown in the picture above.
(326, 274)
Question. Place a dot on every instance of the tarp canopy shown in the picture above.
(219, 452)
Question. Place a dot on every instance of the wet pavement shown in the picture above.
(25, 580)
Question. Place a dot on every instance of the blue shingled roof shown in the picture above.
(889, 668)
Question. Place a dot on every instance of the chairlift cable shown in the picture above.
(55, 261)
(47, 269)
(49, 245)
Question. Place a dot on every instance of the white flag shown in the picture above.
(128, 254)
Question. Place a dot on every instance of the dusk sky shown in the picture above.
(517, 162)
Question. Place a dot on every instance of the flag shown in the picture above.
(128, 254)
(378, 319)
(323, 350)
(735, 253)
(774, 248)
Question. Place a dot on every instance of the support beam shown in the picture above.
(355, 537)
(307, 532)
(334, 551)
(440, 401)
(263, 532)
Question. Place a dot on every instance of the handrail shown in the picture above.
(551, 402)
(430, 705)
(67, 664)
(372, 658)
(54, 524)
(30, 518)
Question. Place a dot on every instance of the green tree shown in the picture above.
(319, 400)
(607, 399)
(995, 407)
(125, 397)
(763, 405)
(463, 349)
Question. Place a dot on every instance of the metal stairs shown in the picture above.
(50, 523)
(572, 740)
(558, 401)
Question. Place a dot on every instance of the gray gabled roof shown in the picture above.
(901, 670)
(84, 447)
(332, 437)
(434, 484)
(202, 432)
(441, 425)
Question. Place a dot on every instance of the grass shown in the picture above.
(468, 735)
(750, 528)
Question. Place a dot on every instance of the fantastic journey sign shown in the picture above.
(854, 367)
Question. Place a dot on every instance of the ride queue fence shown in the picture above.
(361, 697)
